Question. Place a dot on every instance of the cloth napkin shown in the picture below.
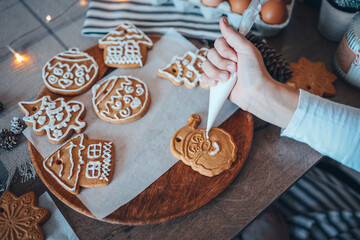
(105, 15)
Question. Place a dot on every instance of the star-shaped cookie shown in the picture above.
(20, 217)
(312, 77)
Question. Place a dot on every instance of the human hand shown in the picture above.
(254, 91)
(234, 53)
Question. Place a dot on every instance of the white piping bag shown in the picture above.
(220, 92)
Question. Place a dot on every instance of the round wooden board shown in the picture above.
(177, 192)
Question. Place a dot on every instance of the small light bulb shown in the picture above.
(18, 57)
(83, 2)
(48, 18)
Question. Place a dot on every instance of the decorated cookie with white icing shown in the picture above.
(186, 69)
(57, 119)
(70, 73)
(81, 162)
(125, 47)
(120, 99)
(208, 156)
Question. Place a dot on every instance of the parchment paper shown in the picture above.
(56, 227)
(142, 148)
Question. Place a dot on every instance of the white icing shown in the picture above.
(59, 116)
(106, 163)
(55, 131)
(81, 147)
(65, 63)
(94, 150)
(41, 120)
(61, 170)
(135, 103)
(216, 150)
(72, 145)
(189, 65)
(100, 92)
(93, 169)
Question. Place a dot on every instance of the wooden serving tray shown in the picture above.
(177, 192)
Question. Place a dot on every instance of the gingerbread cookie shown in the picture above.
(125, 47)
(120, 99)
(81, 162)
(209, 157)
(57, 119)
(312, 77)
(20, 217)
(186, 69)
(70, 73)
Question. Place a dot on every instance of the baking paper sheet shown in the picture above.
(142, 148)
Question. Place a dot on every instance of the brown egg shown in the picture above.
(239, 6)
(273, 12)
(211, 3)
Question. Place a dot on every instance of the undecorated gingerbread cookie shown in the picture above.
(209, 157)
(70, 73)
(125, 47)
(81, 162)
(312, 77)
(120, 99)
(186, 69)
(20, 217)
(57, 119)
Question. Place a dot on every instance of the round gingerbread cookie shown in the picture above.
(120, 99)
(208, 156)
(70, 73)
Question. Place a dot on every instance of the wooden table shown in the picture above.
(273, 165)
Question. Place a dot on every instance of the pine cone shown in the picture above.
(7, 139)
(278, 67)
(17, 125)
(1, 107)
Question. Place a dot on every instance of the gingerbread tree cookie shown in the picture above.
(312, 77)
(125, 47)
(20, 217)
(186, 69)
(210, 156)
(57, 119)
(81, 162)
(70, 73)
(120, 99)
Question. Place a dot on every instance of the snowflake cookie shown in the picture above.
(20, 217)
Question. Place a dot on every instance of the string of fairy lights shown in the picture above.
(19, 58)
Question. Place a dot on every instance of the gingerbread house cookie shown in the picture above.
(186, 69)
(81, 162)
(120, 99)
(208, 156)
(70, 73)
(20, 217)
(57, 119)
(125, 47)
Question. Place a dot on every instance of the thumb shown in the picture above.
(235, 39)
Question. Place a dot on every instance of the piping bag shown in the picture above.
(220, 92)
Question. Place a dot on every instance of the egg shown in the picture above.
(239, 6)
(273, 12)
(211, 3)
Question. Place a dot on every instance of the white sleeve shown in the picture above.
(331, 128)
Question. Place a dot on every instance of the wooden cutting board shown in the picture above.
(177, 192)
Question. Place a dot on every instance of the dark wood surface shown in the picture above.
(273, 164)
(177, 192)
